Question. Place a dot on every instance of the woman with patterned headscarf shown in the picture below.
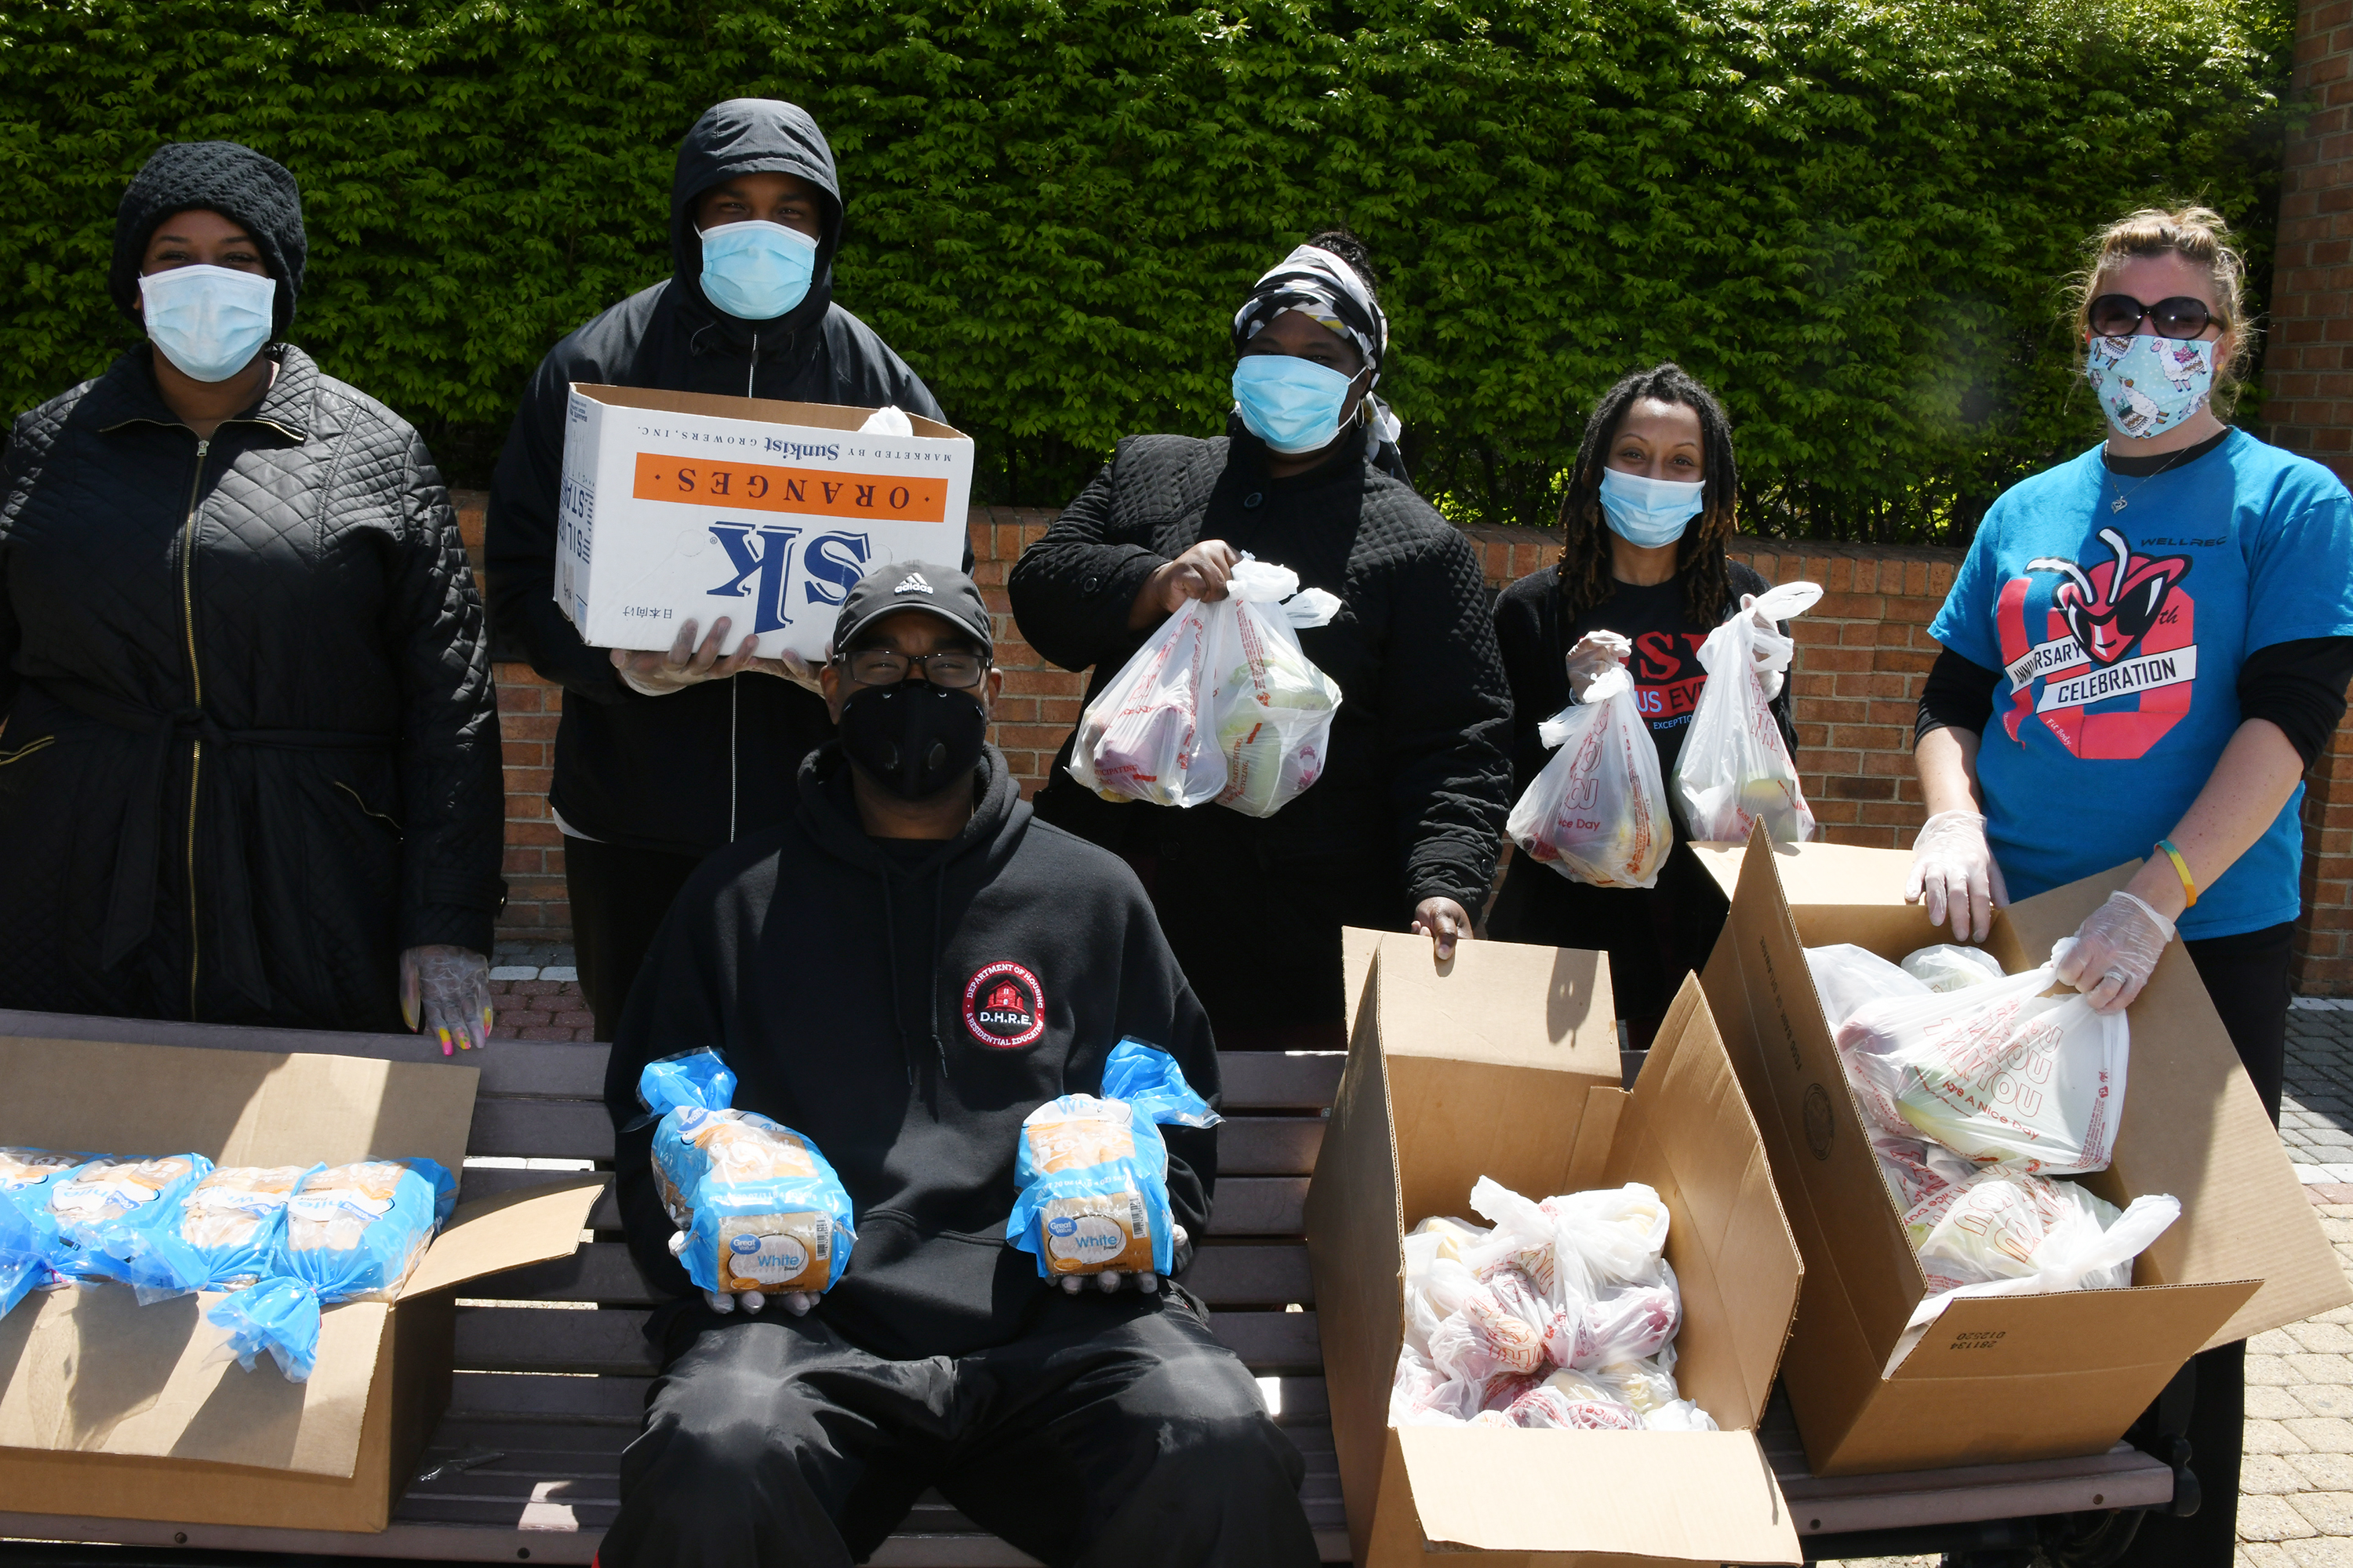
(1401, 828)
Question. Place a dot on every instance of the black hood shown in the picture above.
(753, 136)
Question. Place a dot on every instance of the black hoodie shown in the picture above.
(855, 1017)
(700, 768)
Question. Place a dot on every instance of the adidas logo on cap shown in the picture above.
(912, 583)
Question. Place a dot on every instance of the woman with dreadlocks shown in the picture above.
(1641, 580)
(1401, 828)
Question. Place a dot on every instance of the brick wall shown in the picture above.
(2309, 405)
(1863, 655)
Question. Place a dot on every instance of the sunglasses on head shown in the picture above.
(2120, 315)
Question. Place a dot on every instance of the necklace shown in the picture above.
(2118, 503)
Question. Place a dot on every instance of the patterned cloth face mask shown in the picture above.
(2147, 385)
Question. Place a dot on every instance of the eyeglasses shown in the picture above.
(2120, 315)
(958, 669)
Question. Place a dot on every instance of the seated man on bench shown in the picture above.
(853, 967)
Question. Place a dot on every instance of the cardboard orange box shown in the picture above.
(2001, 1378)
(112, 1410)
(1503, 1062)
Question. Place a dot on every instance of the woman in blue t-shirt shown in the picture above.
(2144, 648)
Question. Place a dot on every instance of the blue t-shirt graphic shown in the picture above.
(2119, 634)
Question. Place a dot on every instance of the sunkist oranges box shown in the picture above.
(111, 1410)
(2013, 1377)
(680, 506)
(1503, 1062)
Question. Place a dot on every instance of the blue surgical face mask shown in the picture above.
(2147, 384)
(1292, 405)
(1649, 512)
(208, 320)
(756, 271)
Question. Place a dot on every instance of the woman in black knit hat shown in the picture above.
(248, 744)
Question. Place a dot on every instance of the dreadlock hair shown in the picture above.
(1585, 579)
(1340, 242)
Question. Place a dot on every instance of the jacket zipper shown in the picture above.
(196, 686)
(752, 371)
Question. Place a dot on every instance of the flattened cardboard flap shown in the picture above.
(94, 1372)
(1694, 1497)
(235, 1108)
(1687, 1131)
(765, 410)
(489, 1235)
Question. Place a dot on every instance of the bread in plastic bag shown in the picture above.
(1272, 707)
(22, 1268)
(222, 1236)
(1597, 811)
(2005, 1232)
(351, 1232)
(1999, 1073)
(94, 1210)
(1091, 1171)
(1733, 769)
(758, 1208)
(1846, 976)
(1948, 967)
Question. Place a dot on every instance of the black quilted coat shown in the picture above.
(250, 747)
(1414, 794)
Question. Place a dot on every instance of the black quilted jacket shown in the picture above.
(250, 748)
(1412, 800)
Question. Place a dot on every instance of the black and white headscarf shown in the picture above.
(1324, 289)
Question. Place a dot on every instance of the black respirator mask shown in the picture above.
(914, 740)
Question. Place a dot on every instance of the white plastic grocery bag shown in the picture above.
(1146, 736)
(1218, 704)
(1999, 1071)
(1272, 708)
(1598, 812)
(2002, 1233)
(1733, 769)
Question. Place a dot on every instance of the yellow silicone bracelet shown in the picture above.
(2181, 870)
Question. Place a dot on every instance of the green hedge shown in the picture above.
(1849, 217)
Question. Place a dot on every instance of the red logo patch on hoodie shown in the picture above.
(1003, 1006)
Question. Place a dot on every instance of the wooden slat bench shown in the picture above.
(552, 1369)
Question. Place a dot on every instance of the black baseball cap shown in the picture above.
(915, 585)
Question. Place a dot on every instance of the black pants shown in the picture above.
(2247, 976)
(1115, 1432)
(619, 898)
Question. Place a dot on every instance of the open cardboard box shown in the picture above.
(1503, 1062)
(113, 1410)
(2001, 1378)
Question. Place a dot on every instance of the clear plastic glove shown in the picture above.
(791, 666)
(1772, 651)
(1112, 1279)
(1596, 654)
(445, 993)
(1953, 869)
(2116, 949)
(796, 1302)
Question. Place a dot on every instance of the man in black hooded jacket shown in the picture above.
(901, 971)
(658, 765)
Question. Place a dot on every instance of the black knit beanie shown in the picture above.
(219, 176)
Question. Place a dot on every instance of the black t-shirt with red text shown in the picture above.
(1665, 662)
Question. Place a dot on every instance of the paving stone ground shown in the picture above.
(535, 994)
